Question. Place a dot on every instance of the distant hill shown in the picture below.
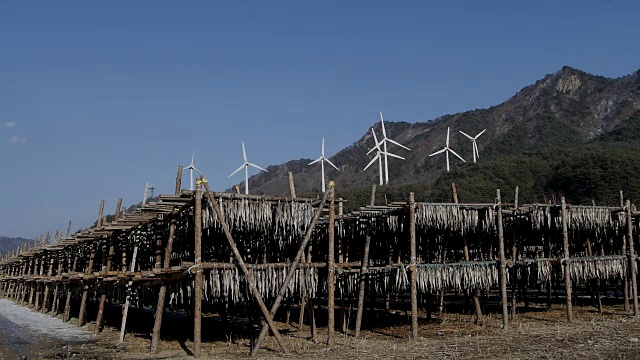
(571, 133)
(8, 244)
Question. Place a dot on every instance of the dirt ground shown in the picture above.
(535, 334)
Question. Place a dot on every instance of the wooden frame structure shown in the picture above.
(200, 247)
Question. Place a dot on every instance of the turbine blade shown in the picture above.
(244, 153)
(330, 163)
(257, 167)
(447, 137)
(481, 132)
(475, 148)
(384, 132)
(375, 139)
(373, 148)
(238, 169)
(316, 160)
(456, 154)
(322, 147)
(394, 155)
(372, 161)
(465, 134)
(397, 143)
(193, 155)
(194, 168)
(439, 152)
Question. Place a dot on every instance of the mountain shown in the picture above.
(8, 244)
(571, 133)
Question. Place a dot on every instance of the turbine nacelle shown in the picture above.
(322, 159)
(447, 150)
(246, 165)
(476, 154)
(383, 151)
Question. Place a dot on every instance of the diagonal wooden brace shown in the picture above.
(243, 267)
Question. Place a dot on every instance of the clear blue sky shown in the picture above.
(97, 98)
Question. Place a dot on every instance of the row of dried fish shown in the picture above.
(579, 217)
(455, 217)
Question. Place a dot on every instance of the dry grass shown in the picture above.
(537, 334)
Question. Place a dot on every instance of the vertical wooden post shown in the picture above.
(455, 192)
(125, 311)
(343, 313)
(624, 252)
(155, 337)
(36, 305)
(514, 258)
(503, 265)
(292, 186)
(158, 235)
(364, 268)
(178, 180)
(105, 288)
(197, 315)
(55, 308)
(69, 229)
(567, 268)
(45, 300)
(85, 289)
(413, 267)
(331, 277)
(632, 260)
(100, 214)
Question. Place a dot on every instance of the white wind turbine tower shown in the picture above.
(475, 146)
(378, 156)
(447, 150)
(383, 142)
(246, 165)
(322, 159)
(191, 167)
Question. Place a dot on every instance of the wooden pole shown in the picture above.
(197, 314)
(455, 192)
(45, 300)
(343, 313)
(567, 271)
(103, 295)
(292, 186)
(248, 275)
(503, 266)
(414, 272)
(632, 260)
(125, 310)
(624, 252)
(179, 180)
(364, 268)
(69, 229)
(514, 257)
(85, 290)
(100, 218)
(373, 195)
(331, 269)
(155, 338)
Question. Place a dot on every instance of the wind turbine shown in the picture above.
(191, 167)
(246, 165)
(475, 146)
(378, 156)
(322, 159)
(383, 142)
(447, 150)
